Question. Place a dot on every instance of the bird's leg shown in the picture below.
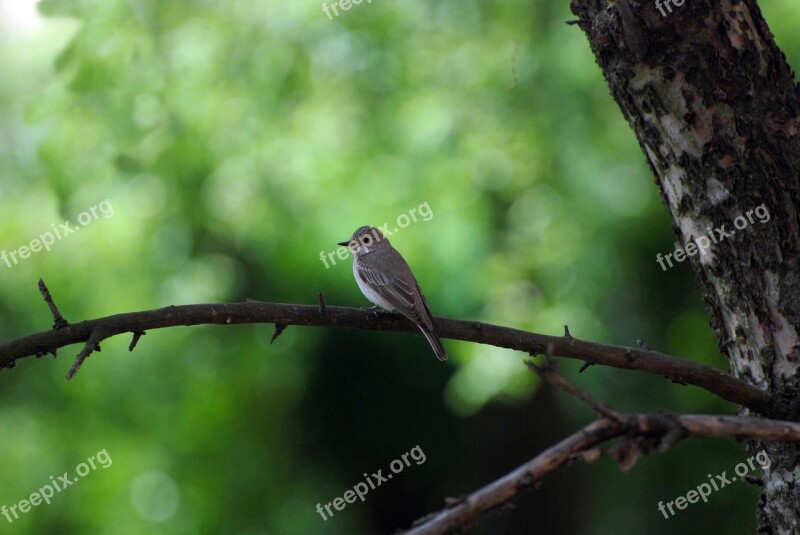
(374, 310)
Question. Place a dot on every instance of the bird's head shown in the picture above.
(364, 240)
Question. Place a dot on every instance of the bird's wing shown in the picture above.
(397, 286)
(429, 317)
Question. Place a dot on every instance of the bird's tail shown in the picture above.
(436, 344)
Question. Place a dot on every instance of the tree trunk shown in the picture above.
(715, 108)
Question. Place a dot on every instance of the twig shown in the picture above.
(279, 327)
(92, 344)
(59, 321)
(135, 339)
(584, 443)
(500, 491)
(548, 373)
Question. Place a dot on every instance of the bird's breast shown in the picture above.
(370, 293)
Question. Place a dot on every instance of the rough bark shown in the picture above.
(715, 108)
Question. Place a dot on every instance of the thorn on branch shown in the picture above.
(449, 501)
(675, 433)
(566, 332)
(661, 432)
(92, 344)
(60, 322)
(321, 300)
(585, 365)
(671, 437)
(590, 455)
(279, 327)
(135, 339)
(627, 452)
(642, 345)
(508, 507)
(548, 373)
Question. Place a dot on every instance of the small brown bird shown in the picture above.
(386, 280)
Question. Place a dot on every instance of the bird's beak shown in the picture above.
(345, 243)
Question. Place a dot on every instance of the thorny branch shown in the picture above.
(641, 434)
(674, 368)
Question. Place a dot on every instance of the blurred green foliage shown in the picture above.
(238, 141)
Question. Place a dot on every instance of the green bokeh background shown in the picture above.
(237, 141)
